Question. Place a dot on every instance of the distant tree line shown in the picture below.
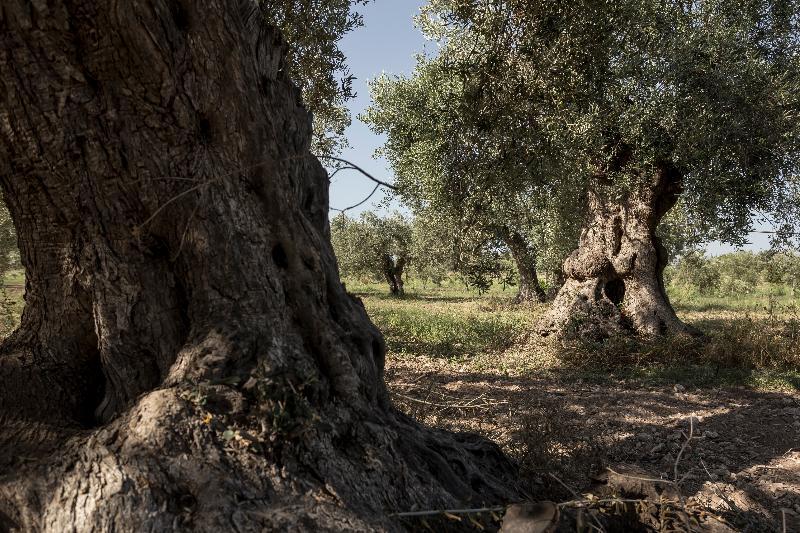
(735, 274)
(394, 247)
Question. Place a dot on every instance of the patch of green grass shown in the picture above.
(450, 334)
(764, 298)
(746, 343)
(449, 289)
(689, 376)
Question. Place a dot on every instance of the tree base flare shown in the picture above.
(188, 358)
(200, 459)
(593, 310)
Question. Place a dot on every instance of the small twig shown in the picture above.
(173, 199)
(359, 203)
(584, 502)
(185, 232)
(332, 174)
(650, 479)
(683, 448)
(451, 511)
(577, 496)
(268, 161)
(453, 406)
(732, 506)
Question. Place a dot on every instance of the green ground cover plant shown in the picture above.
(752, 340)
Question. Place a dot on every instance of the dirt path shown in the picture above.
(742, 463)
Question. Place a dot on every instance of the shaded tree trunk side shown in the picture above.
(614, 279)
(188, 357)
(524, 256)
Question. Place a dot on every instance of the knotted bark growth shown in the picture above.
(614, 279)
(188, 358)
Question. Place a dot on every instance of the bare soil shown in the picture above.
(742, 463)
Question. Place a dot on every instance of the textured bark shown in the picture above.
(188, 358)
(529, 288)
(393, 271)
(614, 279)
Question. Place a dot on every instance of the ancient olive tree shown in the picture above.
(643, 103)
(187, 357)
(475, 164)
(373, 247)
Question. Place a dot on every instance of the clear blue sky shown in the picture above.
(388, 42)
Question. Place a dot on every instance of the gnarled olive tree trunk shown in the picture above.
(524, 256)
(188, 358)
(393, 272)
(614, 279)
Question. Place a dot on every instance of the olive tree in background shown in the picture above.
(373, 247)
(456, 159)
(9, 260)
(639, 104)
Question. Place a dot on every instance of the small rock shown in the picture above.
(541, 517)
(710, 434)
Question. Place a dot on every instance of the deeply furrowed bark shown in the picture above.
(188, 358)
(529, 288)
(614, 279)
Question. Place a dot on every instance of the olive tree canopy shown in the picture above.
(641, 104)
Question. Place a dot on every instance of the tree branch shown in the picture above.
(359, 203)
(356, 167)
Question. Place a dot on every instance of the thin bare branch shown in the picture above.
(359, 203)
(332, 174)
(683, 448)
(359, 169)
(451, 511)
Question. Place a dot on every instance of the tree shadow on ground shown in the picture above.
(743, 461)
(703, 376)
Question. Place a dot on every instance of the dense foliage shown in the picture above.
(363, 244)
(312, 30)
(534, 98)
(430, 248)
(450, 159)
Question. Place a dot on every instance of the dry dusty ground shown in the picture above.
(742, 462)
